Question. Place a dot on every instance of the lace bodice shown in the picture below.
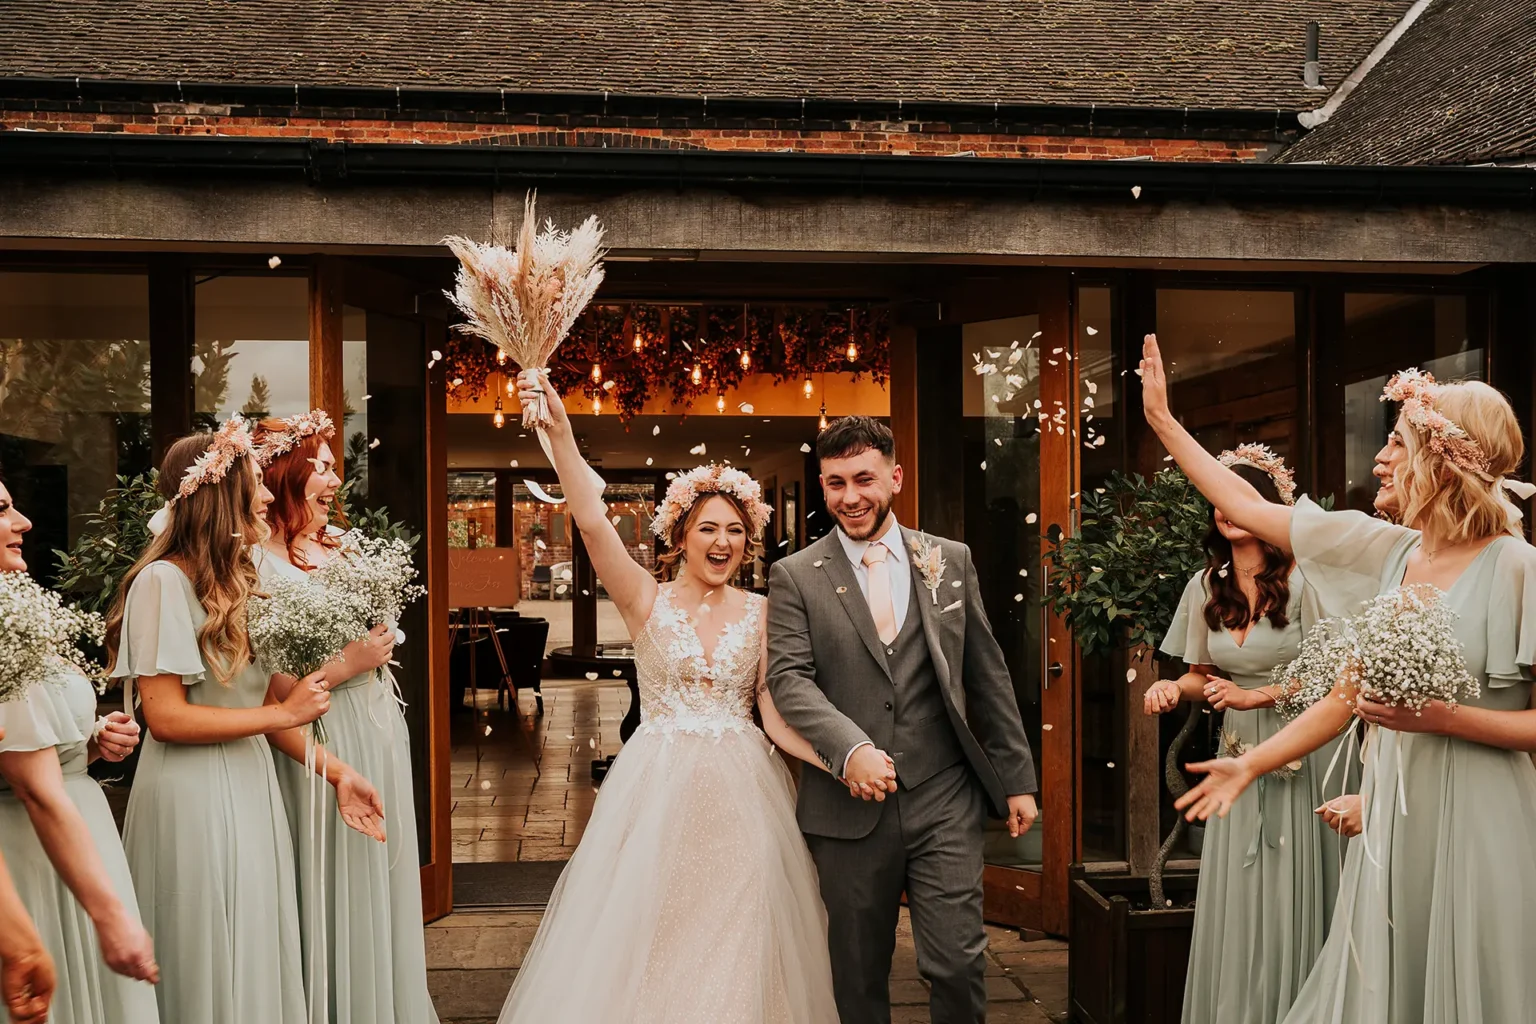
(683, 691)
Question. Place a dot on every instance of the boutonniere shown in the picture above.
(929, 560)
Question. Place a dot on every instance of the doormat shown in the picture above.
(522, 884)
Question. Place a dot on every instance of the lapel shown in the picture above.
(928, 611)
(834, 564)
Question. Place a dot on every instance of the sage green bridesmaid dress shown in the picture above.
(207, 836)
(60, 714)
(1436, 917)
(1269, 870)
(369, 927)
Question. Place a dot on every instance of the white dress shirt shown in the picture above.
(899, 575)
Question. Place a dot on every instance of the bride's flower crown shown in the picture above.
(1262, 458)
(687, 488)
(231, 443)
(1414, 390)
(295, 429)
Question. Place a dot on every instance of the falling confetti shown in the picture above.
(983, 464)
(275, 262)
(656, 430)
(747, 452)
(649, 460)
(1130, 675)
(748, 408)
(592, 743)
(1167, 458)
(513, 463)
(1092, 331)
(1031, 518)
(1109, 764)
(374, 444)
(687, 346)
(1018, 597)
(562, 588)
(997, 441)
(1037, 334)
(1047, 727)
(698, 449)
(540, 493)
(805, 449)
(1135, 191)
(1093, 388)
(1023, 572)
(592, 676)
(485, 783)
(487, 730)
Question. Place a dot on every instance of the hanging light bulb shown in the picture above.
(597, 373)
(821, 424)
(597, 404)
(501, 358)
(746, 359)
(809, 389)
(511, 386)
(697, 376)
(720, 403)
(853, 352)
(499, 419)
(639, 342)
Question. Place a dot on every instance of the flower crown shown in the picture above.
(231, 443)
(685, 490)
(295, 429)
(1414, 390)
(1262, 458)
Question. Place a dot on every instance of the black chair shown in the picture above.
(542, 577)
(522, 640)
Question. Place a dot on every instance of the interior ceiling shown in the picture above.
(474, 442)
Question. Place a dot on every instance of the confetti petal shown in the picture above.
(374, 444)
(592, 676)
(540, 493)
(1092, 331)
(275, 262)
(655, 430)
(649, 460)
(805, 449)
(1031, 518)
(1135, 191)
(748, 408)
(1130, 675)
(698, 449)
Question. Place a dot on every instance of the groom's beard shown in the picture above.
(873, 524)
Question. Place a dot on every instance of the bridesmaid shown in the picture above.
(206, 834)
(1433, 916)
(1269, 873)
(60, 840)
(26, 970)
(370, 928)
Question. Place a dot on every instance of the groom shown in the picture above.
(881, 656)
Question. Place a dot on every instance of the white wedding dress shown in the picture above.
(692, 896)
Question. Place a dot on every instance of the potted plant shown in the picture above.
(1117, 582)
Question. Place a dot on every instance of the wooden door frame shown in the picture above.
(335, 283)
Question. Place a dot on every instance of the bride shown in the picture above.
(692, 896)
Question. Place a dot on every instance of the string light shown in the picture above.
(697, 376)
(720, 403)
(499, 419)
(809, 389)
(597, 405)
(511, 386)
(501, 358)
(853, 352)
(746, 359)
(821, 424)
(597, 372)
(639, 342)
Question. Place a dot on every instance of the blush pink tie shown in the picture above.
(878, 590)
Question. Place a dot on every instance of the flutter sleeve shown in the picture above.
(159, 637)
(1188, 637)
(39, 719)
(1343, 555)
(1511, 606)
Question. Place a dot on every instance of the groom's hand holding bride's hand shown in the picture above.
(870, 773)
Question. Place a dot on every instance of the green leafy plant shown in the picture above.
(1117, 581)
(110, 541)
(374, 522)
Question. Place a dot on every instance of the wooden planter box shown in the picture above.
(1127, 966)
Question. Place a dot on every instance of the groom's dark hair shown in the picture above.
(853, 434)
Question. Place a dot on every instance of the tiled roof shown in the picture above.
(1126, 53)
(1458, 88)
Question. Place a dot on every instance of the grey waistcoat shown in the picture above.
(922, 741)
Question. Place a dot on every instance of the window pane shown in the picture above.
(74, 396)
(354, 400)
(471, 510)
(252, 354)
(1232, 366)
(1384, 333)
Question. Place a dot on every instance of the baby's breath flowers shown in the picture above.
(40, 635)
(378, 573)
(1325, 652)
(297, 627)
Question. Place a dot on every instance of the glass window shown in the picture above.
(471, 510)
(1232, 368)
(1000, 453)
(354, 400)
(74, 396)
(252, 347)
(1384, 333)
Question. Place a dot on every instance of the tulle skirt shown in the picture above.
(691, 898)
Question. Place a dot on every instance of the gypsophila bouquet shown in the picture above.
(38, 632)
(296, 627)
(1404, 651)
(1324, 658)
(378, 573)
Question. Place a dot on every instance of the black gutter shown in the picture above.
(493, 104)
(329, 164)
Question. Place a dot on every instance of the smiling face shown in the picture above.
(1393, 455)
(13, 525)
(859, 490)
(320, 489)
(715, 541)
(262, 499)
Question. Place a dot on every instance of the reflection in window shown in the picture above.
(74, 396)
(252, 347)
(1000, 453)
(471, 510)
(1384, 333)
(1232, 367)
(353, 430)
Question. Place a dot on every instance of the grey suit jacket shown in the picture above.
(829, 679)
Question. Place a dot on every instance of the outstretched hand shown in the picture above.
(533, 383)
(1225, 779)
(360, 805)
(1154, 380)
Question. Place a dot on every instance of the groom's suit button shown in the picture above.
(890, 650)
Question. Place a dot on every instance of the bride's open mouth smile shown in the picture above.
(719, 559)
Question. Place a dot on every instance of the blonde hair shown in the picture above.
(1454, 502)
(667, 562)
(209, 537)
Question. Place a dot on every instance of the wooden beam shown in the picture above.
(437, 875)
(903, 391)
(326, 390)
(172, 321)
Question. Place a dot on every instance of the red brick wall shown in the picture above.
(923, 139)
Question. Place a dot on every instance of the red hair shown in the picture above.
(287, 477)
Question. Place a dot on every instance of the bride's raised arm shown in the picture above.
(631, 587)
(1235, 497)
